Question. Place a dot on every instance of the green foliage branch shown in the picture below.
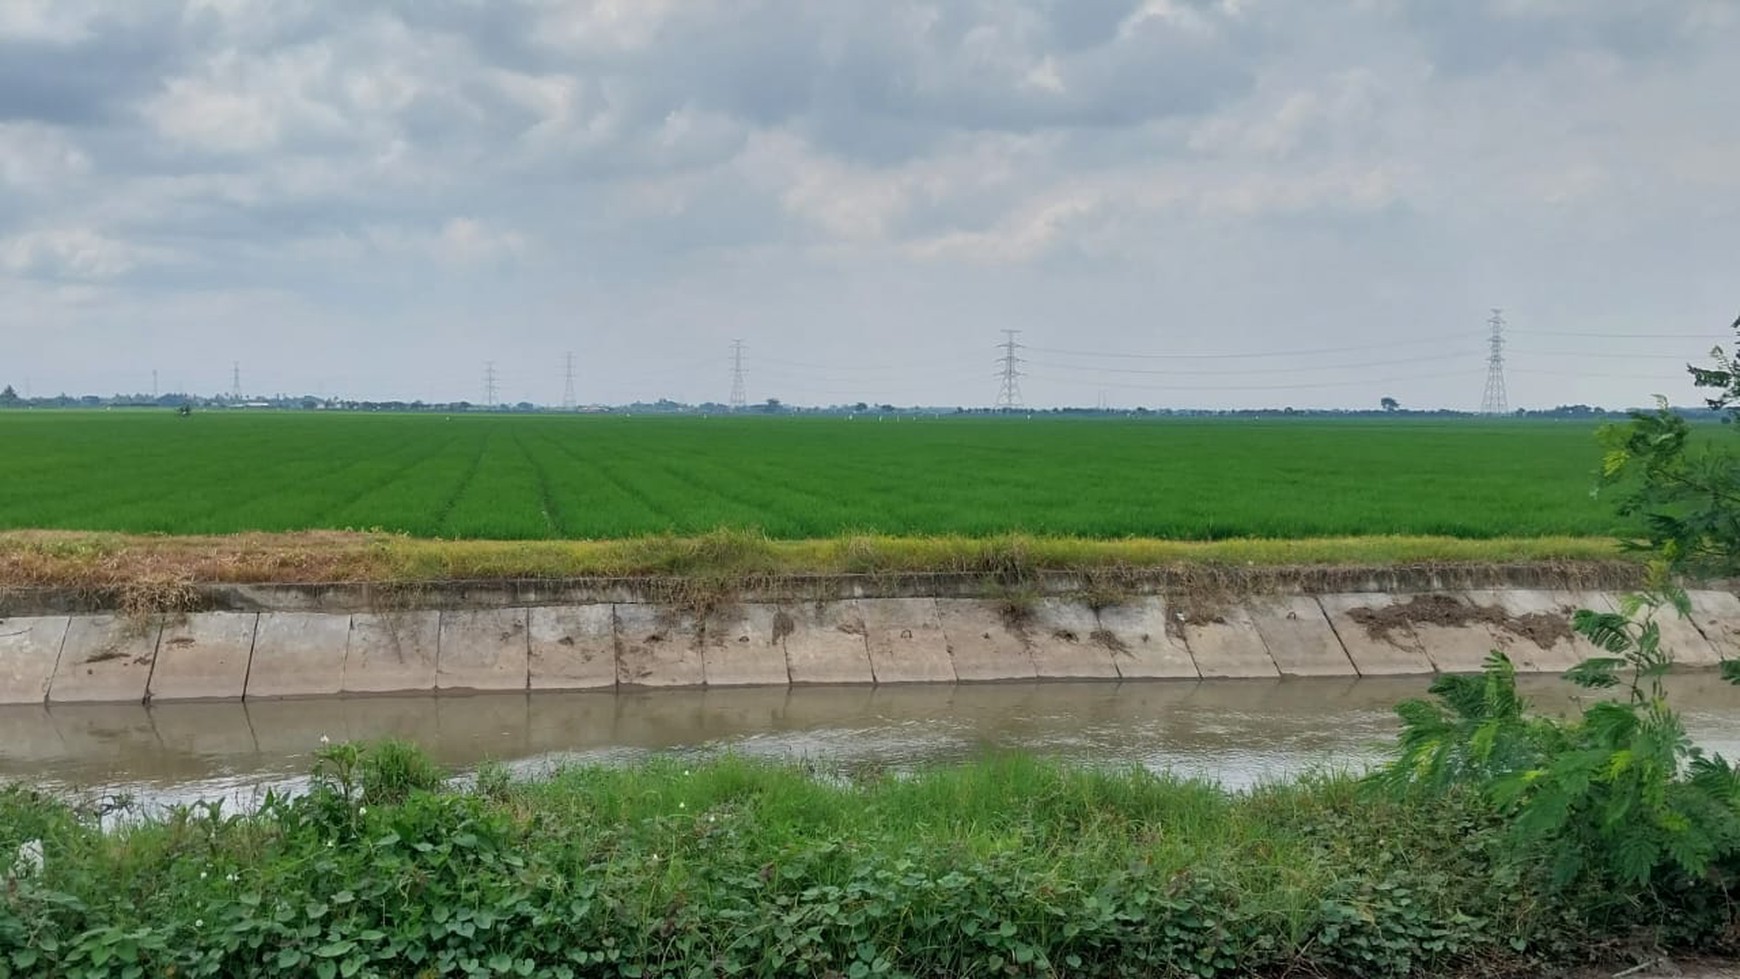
(1683, 490)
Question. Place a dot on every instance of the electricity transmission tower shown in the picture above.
(569, 401)
(489, 383)
(739, 398)
(236, 380)
(1493, 401)
(1009, 395)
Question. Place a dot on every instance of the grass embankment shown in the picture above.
(1008, 867)
(496, 477)
(81, 560)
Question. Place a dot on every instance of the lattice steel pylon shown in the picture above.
(1494, 401)
(489, 383)
(739, 396)
(1009, 394)
(569, 399)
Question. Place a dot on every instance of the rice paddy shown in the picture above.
(547, 477)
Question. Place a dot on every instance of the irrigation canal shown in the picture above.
(1234, 731)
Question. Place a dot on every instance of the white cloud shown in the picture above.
(1022, 237)
(469, 241)
(36, 157)
(76, 253)
(54, 21)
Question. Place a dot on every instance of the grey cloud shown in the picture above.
(430, 182)
(1472, 36)
(84, 83)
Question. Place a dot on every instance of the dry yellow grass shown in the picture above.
(50, 558)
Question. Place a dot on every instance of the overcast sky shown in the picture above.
(1178, 202)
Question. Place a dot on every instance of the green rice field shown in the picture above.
(549, 477)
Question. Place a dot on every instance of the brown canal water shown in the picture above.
(1237, 732)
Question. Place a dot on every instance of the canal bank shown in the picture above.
(264, 642)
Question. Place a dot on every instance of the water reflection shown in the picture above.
(1236, 731)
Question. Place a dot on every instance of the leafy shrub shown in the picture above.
(1006, 867)
(1616, 806)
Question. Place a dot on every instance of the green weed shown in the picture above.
(1006, 866)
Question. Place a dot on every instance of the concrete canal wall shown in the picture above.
(97, 657)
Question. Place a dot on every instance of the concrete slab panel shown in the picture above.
(106, 660)
(1394, 653)
(740, 648)
(1452, 648)
(825, 643)
(573, 648)
(204, 657)
(298, 654)
(29, 652)
(1142, 638)
(1060, 638)
(657, 647)
(906, 640)
(981, 643)
(1298, 636)
(392, 652)
(1226, 643)
(1681, 637)
(483, 650)
(1539, 617)
(1717, 616)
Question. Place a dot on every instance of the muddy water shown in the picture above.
(1235, 731)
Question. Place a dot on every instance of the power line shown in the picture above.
(569, 400)
(1450, 375)
(1197, 372)
(1493, 400)
(1009, 394)
(1621, 377)
(1567, 354)
(739, 395)
(1243, 355)
(1615, 336)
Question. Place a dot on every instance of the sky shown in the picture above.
(1178, 203)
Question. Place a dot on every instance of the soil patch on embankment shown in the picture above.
(1541, 628)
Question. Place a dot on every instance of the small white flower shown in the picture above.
(685, 773)
(362, 810)
(202, 875)
(709, 819)
(655, 858)
(682, 805)
(325, 740)
(329, 843)
(199, 922)
(232, 878)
